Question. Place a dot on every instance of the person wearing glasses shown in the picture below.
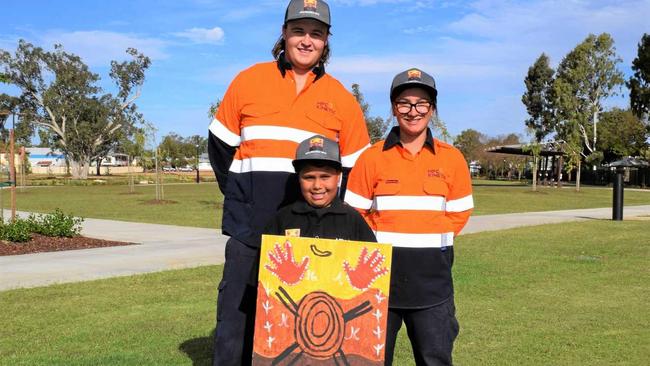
(415, 192)
(268, 109)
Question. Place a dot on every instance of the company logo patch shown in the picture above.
(414, 74)
(316, 143)
(310, 5)
(435, 173)
(292, 232)
(326, 106)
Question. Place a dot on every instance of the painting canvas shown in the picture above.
(321, 302)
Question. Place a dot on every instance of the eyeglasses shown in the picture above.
(406, 107)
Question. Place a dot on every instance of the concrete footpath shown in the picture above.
(167, 247)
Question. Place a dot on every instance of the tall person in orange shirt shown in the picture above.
(266, 112)
(415, 192)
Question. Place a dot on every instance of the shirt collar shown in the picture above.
(393, 139)
(302, 207)
(284, 65)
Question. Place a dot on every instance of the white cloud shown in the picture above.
(203, 35)
(98, 48)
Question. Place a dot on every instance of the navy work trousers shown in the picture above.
(431, 330)
(233, 337)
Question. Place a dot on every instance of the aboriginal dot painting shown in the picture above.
(321, 302)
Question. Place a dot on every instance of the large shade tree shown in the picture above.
(538, 99)
(639, 83)
(586, 76)
(61, 95)
(622, 134)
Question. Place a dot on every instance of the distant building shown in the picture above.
(45, 157)
(204, 162)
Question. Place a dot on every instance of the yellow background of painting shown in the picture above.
(323, 273)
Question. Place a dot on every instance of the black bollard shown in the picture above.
(617, 209)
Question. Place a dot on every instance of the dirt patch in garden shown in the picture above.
(40, 243)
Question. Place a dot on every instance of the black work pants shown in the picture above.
(431, 330)
(233, 337)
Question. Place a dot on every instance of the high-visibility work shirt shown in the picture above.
(418, 203)
(262, 120)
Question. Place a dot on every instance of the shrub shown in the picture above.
(17, 231)
(55, 224)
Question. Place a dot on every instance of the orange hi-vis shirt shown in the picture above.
(418, 203)
(261, 120)
(262, 115)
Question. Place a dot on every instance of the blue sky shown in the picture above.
(478, 51)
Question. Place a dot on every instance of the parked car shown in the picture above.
(186, 168)
(168, 169)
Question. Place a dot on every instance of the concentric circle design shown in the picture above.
(319, 325)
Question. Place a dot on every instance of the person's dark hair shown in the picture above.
(280, 45)
(299, 166)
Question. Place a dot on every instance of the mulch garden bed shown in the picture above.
(40, 243)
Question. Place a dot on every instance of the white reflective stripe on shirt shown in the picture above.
(348, 161)
(418, 203)
(357, 201)
(275, 133)
(461, 204)
(262, 165)
(224, 134)
(405, 240)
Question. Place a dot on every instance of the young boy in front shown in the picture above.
(320, 213)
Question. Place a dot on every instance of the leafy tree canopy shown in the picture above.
(60, 95)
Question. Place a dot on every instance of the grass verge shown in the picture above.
(200, 205)
(566, 294)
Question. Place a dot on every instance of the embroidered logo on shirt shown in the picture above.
(326, 106)
(292, 232)
(392, 181)
(435, 173)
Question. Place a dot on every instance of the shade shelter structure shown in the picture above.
(550, 162)
(620, 165)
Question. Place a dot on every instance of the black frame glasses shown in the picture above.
(421, 107)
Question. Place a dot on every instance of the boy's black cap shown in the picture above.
(308, 9)
(317, 148)
(413, 78)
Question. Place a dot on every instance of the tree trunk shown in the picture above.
(99, 167)
(534, 173)
(80, 168)
(578, 177)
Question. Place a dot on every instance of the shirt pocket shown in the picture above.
(386, 196)
(252, 113)
(435, 187)
(324, 119)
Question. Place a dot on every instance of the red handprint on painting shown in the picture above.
(368, 269)
(285, 267)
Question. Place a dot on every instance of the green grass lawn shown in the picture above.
(200, 204)
(566, 294)
(188, 204)
(498, 199)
